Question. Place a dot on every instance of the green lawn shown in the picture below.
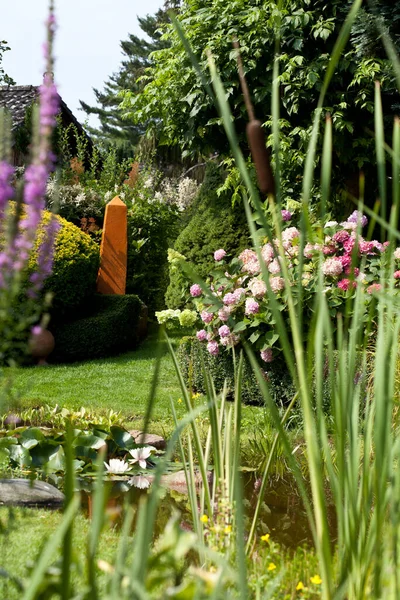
(27, 529)
(121, 383)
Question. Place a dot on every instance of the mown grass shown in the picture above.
(28, 529)
(121, 383)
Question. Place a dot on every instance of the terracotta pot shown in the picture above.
(41, 345)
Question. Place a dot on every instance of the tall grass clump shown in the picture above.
(355, 459)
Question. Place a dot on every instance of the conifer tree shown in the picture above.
(113, 129)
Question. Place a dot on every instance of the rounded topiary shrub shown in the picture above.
(214, 224)
(75, 267)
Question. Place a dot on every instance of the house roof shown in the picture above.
(17, 98)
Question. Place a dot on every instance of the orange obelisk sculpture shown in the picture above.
(111, 278)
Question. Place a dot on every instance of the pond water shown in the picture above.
(282, 514)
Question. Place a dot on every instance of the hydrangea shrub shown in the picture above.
(238, 307)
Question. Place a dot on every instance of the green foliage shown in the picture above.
(214, 224)
(152, 227)
(108, 325)
(175, 104)
(4, 78)
(75, 267)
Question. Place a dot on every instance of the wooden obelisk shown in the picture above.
(111, 278)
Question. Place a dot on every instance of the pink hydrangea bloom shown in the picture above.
(345, 260)
(267, 355)
(341, 236)
(213, 348)
(267, 252)
(206, 317)
(257, 288)
(308, 250)
(224, 331)
(374, 287)
(252, 307)
(252, 267)
(396, 274)
(277, 283)
(366, 247)
(195, 290)
(239, 293)
(274, 267)
(349, 245)
(349, 225)
(396, 254)
(224, 313)
(229, 299)
(219, 254)
(332, 266)
(247, 256)
(201, 335)
(290, 233)
(328, 250)
(345, 284)
(231, 340)
(286, 215)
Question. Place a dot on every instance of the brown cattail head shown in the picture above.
(260, 155)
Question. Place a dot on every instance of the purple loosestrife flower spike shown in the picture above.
(6, 188)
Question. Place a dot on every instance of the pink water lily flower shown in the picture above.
(140, 455)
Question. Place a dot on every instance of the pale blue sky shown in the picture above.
(87, 43)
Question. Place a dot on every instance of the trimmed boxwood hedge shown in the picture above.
(192, 353)
(109, 325)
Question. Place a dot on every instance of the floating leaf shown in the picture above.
(122, 438)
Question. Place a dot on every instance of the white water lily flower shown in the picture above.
(141, 455)
(117, 466)
(140, 482)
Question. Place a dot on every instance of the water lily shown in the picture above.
(140, 482)
(141, 455)
(116, 466)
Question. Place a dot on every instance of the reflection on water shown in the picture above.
(282, 513)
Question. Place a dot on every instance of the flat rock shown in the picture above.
(151, 439)
(27, 493)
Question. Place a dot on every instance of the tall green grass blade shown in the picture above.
(264, 481)
(50, 550)
(196, 436)
(380, 152)
(69, 487)
(96, 526)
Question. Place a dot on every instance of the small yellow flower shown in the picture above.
(300, 586)
(228, 529)
(265, 538)
(197, 395)
(179, 400)
(316, 580)
(204, 519)
(271, 567)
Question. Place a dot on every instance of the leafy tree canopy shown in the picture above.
(4, 78)
(174, 103)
